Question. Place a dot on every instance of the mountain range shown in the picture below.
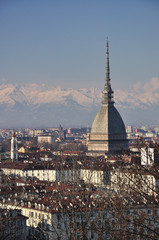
(34, 105)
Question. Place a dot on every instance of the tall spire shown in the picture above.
(107, 92)
(107, 74)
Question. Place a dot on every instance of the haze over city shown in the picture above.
(52, 64)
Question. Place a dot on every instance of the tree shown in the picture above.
(92, 199)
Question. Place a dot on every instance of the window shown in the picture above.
(128, 211)
(59, 225)
(58, 218)
(92, 234)
(155, 219)
(113, 222)
(148, 211)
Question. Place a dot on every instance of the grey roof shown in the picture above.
(108, 121)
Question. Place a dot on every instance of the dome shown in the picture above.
(108, 121)
(108, 133)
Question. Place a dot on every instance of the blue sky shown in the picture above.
(61, 42)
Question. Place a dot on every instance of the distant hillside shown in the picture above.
(35, 105)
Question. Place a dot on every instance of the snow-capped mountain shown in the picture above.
(34, 105)
(42, 105)
(36, 95)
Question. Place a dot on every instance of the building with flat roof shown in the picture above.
(46, 139)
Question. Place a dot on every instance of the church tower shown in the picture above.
(108, 133)
(14, 148)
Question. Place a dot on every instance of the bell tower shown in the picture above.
(14, 148)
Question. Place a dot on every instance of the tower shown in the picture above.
(14, 148)
(108, 133)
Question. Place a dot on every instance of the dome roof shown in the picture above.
(108, 121)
